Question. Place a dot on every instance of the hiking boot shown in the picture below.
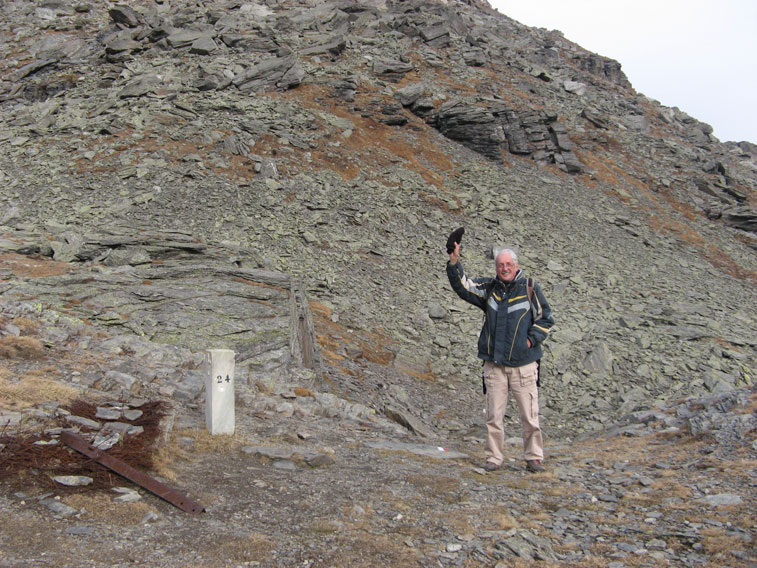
(534, 466)
(491, 466)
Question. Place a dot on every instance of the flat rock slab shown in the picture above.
(73, 480)
(722, 500)
(419, 449)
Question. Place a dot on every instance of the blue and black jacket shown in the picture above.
(510, 318)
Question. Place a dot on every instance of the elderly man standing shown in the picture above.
(517, 320)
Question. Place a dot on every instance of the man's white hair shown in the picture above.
(511, 252)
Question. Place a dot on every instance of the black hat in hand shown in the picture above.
(455, 236)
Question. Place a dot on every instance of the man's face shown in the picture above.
(506, 268)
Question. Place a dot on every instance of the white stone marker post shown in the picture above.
(219, 392)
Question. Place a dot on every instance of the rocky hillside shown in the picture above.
(340, 142)
(280, 177)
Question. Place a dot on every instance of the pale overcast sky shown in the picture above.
(697, 55)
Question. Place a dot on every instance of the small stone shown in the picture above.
(132, 415)
(59, 508)
(320, 460)
(106, 440)
(80, 531)
(127, 495)
(149, 517)
(86, 422)
(108, 413)
(722, 500)
(73, 480)
(437, 312)
(645, 481)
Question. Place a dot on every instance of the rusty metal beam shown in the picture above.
(125, 470)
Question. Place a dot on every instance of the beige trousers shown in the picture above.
(521, 381)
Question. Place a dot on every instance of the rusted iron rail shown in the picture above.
(125, 470)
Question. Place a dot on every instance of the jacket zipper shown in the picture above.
(515, 336)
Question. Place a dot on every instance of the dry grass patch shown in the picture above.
(202, 443)
(599, 561)
(22, 347)
(606, 451)
(671, 488)
(325, 526)
(435, 482)
(374, 143)
(33, 390)
(459, 521)
(101, 507)
(565, 547)
(252, 548)
(557, 489)
(589, 506)
(34, 536)
(29, 267)
(741, 469)
(545, 476)
(504, 521)
(373, 346)
(517, 483)
(650, 500)
(518, 563)
(535, 519)
(207, 443)
(716, 541)
(365, 550)
(642, 451)
(751, 406)
(544, 483)
(446, 489)
(662, 493)
(27, 326)
(166, 457)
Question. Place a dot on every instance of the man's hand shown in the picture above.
(454, 256)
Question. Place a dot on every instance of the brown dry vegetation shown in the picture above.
(252, 547)
(618, 173)
(373, 145)
(22, 457)
(373, 346)
(28, 326)
(13, 347)
(340, 346)
(176, 451)
(35, 388)
(100, 506)
(29, 267)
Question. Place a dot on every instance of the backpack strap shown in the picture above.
(536, 313)
(536, 308)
